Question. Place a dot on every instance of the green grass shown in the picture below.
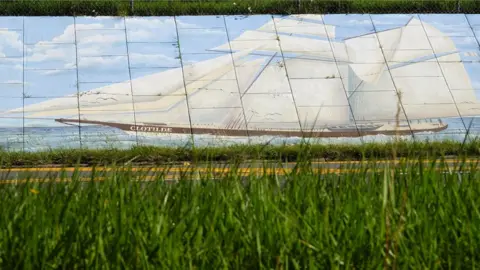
(161, 155)
(225, 7)
(410, 217)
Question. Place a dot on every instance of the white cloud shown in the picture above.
(14, 81)
(356, 22)
(103, 62)
(107, 36)
(10, 40)
(162, 29)
(91, 43)
(101, 43)
(51, 52)
(14, 63)
(52, 72)
(100, 22)
(145, 29)
(150, 23)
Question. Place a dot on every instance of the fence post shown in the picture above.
(131, 6)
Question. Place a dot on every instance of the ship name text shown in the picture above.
(151, 129)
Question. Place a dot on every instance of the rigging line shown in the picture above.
(302, 55)
(259, 74)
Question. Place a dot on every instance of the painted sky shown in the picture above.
(51, 55)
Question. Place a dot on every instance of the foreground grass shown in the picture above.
(162, 155)
(225, 7)
(413, 216)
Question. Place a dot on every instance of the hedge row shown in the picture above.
(148, 155)
(224, 7)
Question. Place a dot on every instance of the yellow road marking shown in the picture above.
(171, 177)
(182, 169)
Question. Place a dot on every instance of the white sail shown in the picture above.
(55, 107)
(299, 27)
(306, 46)
(319, 92)
(198, 70)
(368, 72)
(115, 117)
(398, 45)
(387, 41)
(221, 92)
(413, 37)
(419, 83)
(118, 96)
(456, 76)
(442, 44)
(423, 84)
(375, 106)
(413, 93)
(373, 101)
(417, 69)
(209, 102)
(318, 117)
(168, 110)
(414, 42)
(304, 68)
(248, 72)
(264, 101)
(271, 79)
(382, 46)
(464, 96)
(429, 111)
(262, 110)
(289, 44)
(469, 109)
(270, 110)
(272, 85)
(361, 49)
(150, 108)
(461, 88)
(313, 17)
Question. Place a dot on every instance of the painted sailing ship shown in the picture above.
(288, 78)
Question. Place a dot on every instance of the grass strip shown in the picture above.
(144, 155)
(407, 217)
(228, 7)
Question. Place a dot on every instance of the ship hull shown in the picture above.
(162, 129)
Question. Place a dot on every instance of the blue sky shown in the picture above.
(63, 51)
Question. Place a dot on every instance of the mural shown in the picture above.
(113, 81)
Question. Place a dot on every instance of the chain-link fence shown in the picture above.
(100, 82)
(203, 7)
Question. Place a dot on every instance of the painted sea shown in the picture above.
(46, 138)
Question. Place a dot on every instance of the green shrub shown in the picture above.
(226, 7)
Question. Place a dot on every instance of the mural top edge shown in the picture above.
(252, 15)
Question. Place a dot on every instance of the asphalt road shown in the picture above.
(174, 172)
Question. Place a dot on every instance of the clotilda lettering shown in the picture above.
(151, 129)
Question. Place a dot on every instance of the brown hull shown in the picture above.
(161, 128)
